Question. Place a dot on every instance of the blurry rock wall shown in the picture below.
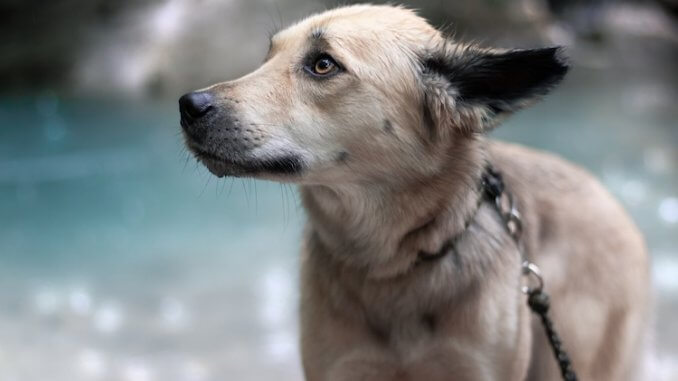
(164, 47)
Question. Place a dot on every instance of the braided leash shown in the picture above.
(537, 299)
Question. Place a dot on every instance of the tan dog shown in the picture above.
(381, 119)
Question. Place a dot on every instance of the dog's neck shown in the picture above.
(382, 229)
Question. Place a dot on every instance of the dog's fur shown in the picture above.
(389, 152)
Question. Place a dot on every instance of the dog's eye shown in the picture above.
(323, 66)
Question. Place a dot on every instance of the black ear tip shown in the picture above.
(560, 57)
(552, 63)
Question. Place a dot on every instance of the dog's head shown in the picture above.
(359, 94)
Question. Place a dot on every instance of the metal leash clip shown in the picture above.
(514, 226)
(531, 270)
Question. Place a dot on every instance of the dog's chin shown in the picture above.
(286, 166)
(221, 168)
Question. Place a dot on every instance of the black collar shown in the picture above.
(491, 187)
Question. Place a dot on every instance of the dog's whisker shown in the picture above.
(207, 182)
(244, 188)
(230, 188)
(188, 158)
(282, 201)
(256, 198)
(265, 124)
(219, 189)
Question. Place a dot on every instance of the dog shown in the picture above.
(382, 121)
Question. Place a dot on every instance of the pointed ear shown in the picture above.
(483, 84)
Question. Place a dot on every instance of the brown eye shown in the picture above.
(324, 66)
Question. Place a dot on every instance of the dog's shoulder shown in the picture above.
(533, 174)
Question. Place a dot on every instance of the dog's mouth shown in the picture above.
(285, 165)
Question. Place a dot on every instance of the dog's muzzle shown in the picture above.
(225, 143)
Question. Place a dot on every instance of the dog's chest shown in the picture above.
(445, 318)
(432, 337)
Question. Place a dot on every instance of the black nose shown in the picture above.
(195, 105)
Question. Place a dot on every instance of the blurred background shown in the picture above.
(122, 259)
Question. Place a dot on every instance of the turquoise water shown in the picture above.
(122, 259)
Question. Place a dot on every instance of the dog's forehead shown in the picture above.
(359, 22)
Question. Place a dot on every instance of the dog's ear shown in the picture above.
(473, 87)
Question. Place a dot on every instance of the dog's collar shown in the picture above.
(490, 187)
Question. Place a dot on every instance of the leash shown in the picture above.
(537, 298)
